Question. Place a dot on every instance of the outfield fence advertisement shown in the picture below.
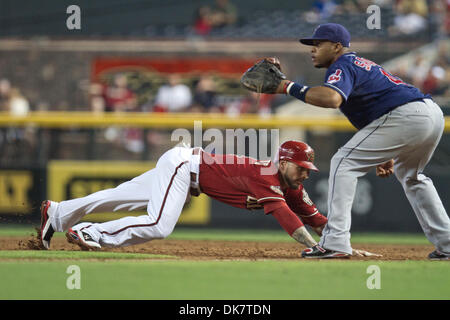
(20, 190)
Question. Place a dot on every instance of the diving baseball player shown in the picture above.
(399, 129)
(239, 181)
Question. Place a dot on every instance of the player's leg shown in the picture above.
(367, 149)
(384, 139)
(419, 189)
(342, 182)
(167, 189)
(130, 195)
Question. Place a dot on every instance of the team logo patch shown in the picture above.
(310, 156)
(309, 153)
(335, 77)
(306, 198)
(277, 189)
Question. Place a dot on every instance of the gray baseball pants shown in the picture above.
(408, 134)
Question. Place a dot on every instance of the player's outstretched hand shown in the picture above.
(363, 253)
(386, 169)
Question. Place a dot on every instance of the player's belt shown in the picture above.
(196, 151)
(195, 188)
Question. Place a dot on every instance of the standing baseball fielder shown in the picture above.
(399, 129)
(239, 181)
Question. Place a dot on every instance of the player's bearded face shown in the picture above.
(323, 53)
(293, 174)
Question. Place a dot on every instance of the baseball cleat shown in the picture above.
(437, 255)
(46, 226)
(317, 252)
(82, 239)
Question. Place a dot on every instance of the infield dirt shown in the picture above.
(227, 250)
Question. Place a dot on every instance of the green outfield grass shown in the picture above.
(162, 279)
(111, 275)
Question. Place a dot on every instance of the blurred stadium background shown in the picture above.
(83, 110)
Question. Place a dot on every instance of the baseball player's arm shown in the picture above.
(300, 203)
(319, 96)
(302, 235)
(291, 223)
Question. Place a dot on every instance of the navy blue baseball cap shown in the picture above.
(329, 31)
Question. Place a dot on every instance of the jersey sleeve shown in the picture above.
(340, 78)
(267, 193)
(265, 189)
(300, 203)
(287, 219)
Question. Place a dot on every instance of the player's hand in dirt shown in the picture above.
(386, 169)
(363, 253)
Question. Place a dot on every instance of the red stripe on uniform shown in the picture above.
(160, 211)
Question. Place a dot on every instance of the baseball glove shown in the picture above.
(264, 77)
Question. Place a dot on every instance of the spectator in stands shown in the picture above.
(16, 144)
(223, 13)
(205, 96)
(447, 17)
(97, 101)
(349, 7)
(435, 83)
(5, 91)
(252, 102)
(202, 21)
(321, 11)
(18, 104)
(173, 97)
(436, 78)
(360, 6)
(118, 97)
(436, 17)
(411, 17)
(443, 57)
(419, 7)
(417, 71)
(12, 100)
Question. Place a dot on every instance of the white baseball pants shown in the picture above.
(409, 134)
(162, 190)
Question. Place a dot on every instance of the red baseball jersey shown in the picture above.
(245, 182)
